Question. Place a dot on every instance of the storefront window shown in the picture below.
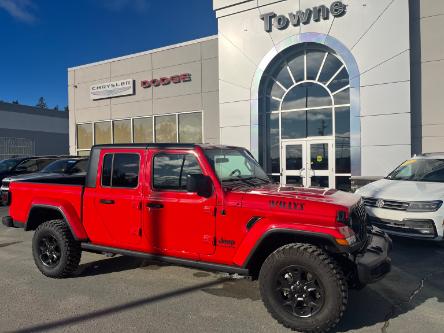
(319, 122)
(83, 153)
(294, 125)
(273, 142)
(84, 136)
(122, 131)
(143, 130)
(102, 133)
(190, 127)
(305, 95)
(166, 129)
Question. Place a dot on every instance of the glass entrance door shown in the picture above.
(320, 168)
(308, 163)
(294, 162)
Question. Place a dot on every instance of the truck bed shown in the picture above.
(45, 192)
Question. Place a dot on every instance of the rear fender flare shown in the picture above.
(69, 215)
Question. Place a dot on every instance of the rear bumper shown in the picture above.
(374, 262)
(7, 221)
(4, 197)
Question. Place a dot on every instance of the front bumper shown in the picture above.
(427, 225)
(374, 261)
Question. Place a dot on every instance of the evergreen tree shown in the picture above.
(42, 103)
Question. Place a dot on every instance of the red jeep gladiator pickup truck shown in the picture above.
(208, 207)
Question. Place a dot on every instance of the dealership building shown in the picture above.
(319, 91)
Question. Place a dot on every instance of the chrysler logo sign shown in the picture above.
(282, 22)
(112, 89)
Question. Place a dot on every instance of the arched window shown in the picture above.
(305, 94)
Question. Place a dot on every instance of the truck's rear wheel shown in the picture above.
(303, 288)
(56, 252)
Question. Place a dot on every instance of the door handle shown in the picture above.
(107, 202)
(154, 205)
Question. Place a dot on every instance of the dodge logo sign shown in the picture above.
(164, 81)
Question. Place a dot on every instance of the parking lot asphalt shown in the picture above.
(132, 295)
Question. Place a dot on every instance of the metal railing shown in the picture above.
(16, 147)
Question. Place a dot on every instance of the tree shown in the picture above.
(42, 103)
(56, 108)
(66, 108)
(15, 101)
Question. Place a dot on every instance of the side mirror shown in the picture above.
(200, 184)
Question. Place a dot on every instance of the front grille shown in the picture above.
(358, 221)
(386, 204)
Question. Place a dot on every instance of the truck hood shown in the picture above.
(312, 195)
(402, 190)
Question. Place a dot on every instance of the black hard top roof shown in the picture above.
(162, 146)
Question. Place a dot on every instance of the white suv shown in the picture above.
(409, 201)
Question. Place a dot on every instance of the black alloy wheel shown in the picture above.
(56, 253)
(299, 291)
(49, 251)
(303, 288)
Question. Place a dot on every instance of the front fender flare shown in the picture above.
(254, 239)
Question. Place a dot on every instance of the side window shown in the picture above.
(41, 163)
(120, 170)
(170, 171)
(27, 166)
(107, 169)
(80, 166)
(190, 166)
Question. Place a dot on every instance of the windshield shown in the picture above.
(421, 170)
(66, 166)
(235, 165)
(7, 165)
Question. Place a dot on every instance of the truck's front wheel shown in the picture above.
(56, 252)
(303, 288)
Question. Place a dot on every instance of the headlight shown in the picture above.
(424, 206)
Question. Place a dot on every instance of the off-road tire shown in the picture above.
(329, 274)
(69, 249)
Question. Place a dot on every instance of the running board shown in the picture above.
(170, 260)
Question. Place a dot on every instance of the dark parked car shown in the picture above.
(63, 167)
(24, 165)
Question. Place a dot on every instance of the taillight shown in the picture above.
(349, 235)
(6, 198)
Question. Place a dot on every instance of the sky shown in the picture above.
(41, 39)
